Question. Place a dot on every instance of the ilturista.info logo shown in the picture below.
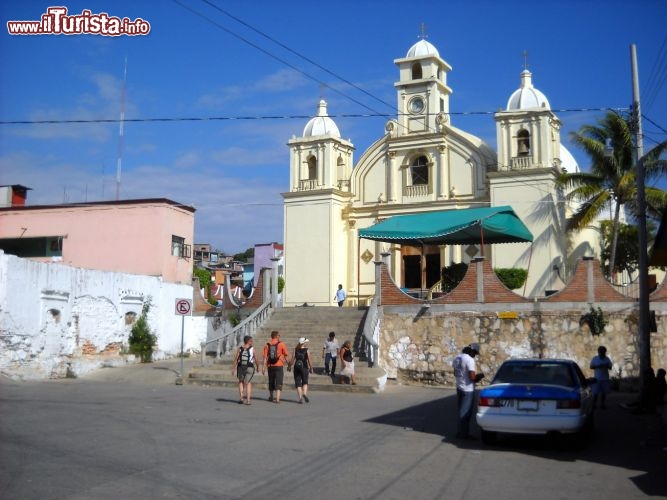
(57, 21)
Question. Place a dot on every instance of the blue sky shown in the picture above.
(207, 64)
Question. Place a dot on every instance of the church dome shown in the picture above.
(321, 124)
(527, 96)
(567, 161)
(422, 48)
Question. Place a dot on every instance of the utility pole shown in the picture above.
(644, 334)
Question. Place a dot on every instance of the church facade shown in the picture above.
(421, 163)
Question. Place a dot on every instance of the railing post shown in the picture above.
(203, 353)
(274, 281)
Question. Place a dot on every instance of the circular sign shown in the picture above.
(183, 306)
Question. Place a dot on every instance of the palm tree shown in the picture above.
(611, 181)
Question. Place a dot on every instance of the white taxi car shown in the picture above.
(536, 396)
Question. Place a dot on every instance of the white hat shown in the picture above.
(303, 340)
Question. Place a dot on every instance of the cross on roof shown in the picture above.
(422, 29)
(525, 59)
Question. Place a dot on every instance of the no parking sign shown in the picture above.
(183, 306)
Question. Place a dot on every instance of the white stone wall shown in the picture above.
(58, 321)
(420, 348)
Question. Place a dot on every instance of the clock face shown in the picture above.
(416, 105)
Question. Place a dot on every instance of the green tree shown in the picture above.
(142, 340)
(611, 181)
(245, 255)
(205, 282)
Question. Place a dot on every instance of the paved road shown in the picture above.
(131, 433)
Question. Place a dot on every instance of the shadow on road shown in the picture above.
(632, 442)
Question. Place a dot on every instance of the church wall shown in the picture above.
(532, 199)
(374, 183)
(460, 174)
(308, 250)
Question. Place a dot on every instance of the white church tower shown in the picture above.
(320, 169)
(529, 162)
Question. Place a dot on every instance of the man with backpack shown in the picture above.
(275, 357)
(244, 365)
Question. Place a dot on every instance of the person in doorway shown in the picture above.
(466, 375)
(244, 364)
(274, 358)
(347, 374)
(330, 353)
(302, 365)
(601, 365)
(340, 296)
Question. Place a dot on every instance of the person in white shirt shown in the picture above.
(601, 365)
(466, 378)
(330, 353)
(340, 296)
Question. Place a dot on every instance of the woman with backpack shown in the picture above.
(302, 364)
(244, 365)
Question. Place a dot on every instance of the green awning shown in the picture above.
(452, 227)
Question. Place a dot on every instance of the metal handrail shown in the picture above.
(437, 287)
(246, 327)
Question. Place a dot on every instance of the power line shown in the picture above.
(265, 117)
(266, 52)
(305, 58)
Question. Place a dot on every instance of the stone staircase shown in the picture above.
(315, 323)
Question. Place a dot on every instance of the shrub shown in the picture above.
(512, 278)
(595, 321)
(452, 276)
(141, 340)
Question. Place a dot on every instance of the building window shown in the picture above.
(419, 171)
(45, 246)
(179, 248)
(523, 143)
(312, 168)
(416, 71)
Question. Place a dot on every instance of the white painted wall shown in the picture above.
(55, 318)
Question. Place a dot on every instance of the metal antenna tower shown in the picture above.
(121, 131)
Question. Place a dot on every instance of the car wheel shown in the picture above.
(489, 437)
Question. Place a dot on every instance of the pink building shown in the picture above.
(149, 236)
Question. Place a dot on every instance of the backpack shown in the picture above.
(273, 356)
(245, 358)
(300, 359)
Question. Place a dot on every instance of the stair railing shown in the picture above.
(371, 333)
(246, 327)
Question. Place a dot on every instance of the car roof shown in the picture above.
(540, 360)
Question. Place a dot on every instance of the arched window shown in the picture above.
(340, 161)
(523, 143)
(416, 71)
(312, 168)
(419, 170)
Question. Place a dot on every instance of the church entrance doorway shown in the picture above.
(412, 276)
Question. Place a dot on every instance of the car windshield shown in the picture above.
(534, 373)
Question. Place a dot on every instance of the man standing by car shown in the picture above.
(466, 378)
